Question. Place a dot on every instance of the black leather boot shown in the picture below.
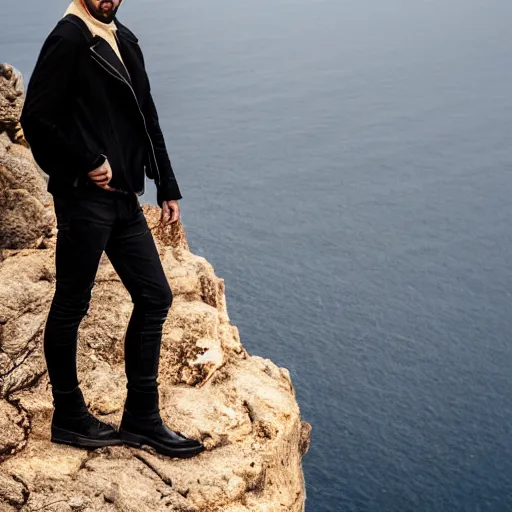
(73, 424)
(142, 424)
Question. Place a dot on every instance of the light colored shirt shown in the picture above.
(105, 30)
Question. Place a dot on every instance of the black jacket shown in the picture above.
(81, 105)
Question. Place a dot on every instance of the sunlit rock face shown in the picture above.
(241, 406)
(26, 214)
(11, 96)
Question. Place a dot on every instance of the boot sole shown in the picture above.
(62, 436)
(137, 440)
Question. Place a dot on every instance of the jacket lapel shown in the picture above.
(127, 47)
(100, 46)
(103, 48)
(132, 71)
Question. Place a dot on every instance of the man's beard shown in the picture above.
(105, 16)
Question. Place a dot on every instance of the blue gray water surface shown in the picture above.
(346, 168)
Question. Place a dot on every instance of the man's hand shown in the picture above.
(102, 175)
(170, 212)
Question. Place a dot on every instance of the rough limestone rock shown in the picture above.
(11, 96)
(26, 215)
(242, 406)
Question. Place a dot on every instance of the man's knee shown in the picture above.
(163, 299)
(69, 306)
(160, 300)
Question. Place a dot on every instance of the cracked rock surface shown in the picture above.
(26, 214)
(241, 406)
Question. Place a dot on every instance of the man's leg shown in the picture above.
(80, 244)
(134, 255)
(83, 230)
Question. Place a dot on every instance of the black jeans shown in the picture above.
(90, 221)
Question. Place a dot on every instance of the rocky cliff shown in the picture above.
(241, 406)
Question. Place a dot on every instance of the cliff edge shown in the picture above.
(241, 406)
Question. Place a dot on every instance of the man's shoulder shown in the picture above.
(69, 30)
(125, 31)
(72, 29)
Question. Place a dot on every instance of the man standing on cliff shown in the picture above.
(91, 122)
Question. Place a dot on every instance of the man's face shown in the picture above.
(103, 10)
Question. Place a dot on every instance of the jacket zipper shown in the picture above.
(136, 101)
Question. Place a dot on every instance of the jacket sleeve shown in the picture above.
(168, 188)
(48, 95)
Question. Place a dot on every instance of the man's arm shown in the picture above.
(48, 95)
(168, 188)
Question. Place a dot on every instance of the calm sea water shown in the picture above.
(346, 167)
